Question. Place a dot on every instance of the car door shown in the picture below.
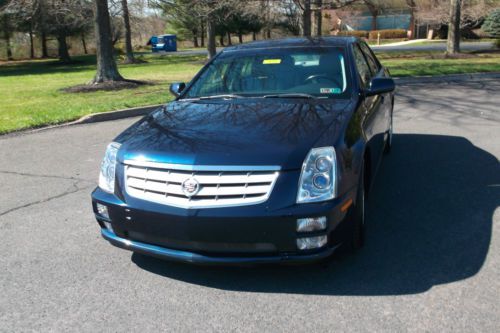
(371, 105)
(385, 99)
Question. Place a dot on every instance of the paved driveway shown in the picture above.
(431, 263)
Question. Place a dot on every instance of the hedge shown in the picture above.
(388, 34)
(354, 33)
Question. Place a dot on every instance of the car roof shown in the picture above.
(294, 42)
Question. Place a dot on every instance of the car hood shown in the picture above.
(251, 132)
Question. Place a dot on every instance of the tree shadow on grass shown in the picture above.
(430, 219)
(83, 63)
(52, 66)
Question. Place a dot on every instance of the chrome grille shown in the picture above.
(221, 186)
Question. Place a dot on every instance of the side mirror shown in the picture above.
(177, 88)
(380, 86)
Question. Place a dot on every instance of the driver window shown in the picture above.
(362, 66)
(370, 58)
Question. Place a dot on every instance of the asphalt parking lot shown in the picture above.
(431, 262)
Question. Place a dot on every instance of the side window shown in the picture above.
(374, 66)
(362, 66)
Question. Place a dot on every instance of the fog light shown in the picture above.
(311, 242)
(311, 224)
(108, 226)
(102, 210)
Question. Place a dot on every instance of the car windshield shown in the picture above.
(290, 72)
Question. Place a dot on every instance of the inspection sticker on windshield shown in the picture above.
(271, 61)
(330, 90)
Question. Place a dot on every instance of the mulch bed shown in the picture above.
(107, 86)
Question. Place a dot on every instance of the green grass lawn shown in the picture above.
(30, 91)
(423, 63)
(31, 96)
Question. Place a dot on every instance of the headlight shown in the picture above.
(318, 180)
(108, 167)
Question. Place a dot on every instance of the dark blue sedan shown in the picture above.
(267, 155)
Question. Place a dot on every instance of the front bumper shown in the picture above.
(238, 235)
(196, 258)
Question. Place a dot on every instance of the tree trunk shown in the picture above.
(32, 48)
(43, 37)
(221, 40)
(7, 46)
(202, 35)
(453, 42)
(374, 20)
(42, 27)
(229, 41)
(84, 44)
(195, 40)
(106, 65)
(63, 48)
(6, 36)
(128, 34)
(254, 35)
(374, 9)
(268, 33)
(212, 50)
(411, 5)
(318, 15)
(240, 37)
(306, 19)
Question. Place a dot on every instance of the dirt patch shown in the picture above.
(107, 86)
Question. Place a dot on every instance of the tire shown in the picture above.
(388, 143)
(358, 217)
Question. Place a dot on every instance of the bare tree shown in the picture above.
(305, 9)
(6, 27)
(65, 18)
(453, 42)
(412, 6)
(374, 7)
(211, 47)
(318, 17)
(106, 65)
(128, 34)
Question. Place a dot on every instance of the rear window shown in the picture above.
(320, 72)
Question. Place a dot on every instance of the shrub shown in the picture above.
(388, 34)
(354, 33)
(492, 24)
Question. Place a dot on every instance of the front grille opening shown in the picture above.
(215, 188)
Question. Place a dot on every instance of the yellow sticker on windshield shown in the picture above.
(271, 61)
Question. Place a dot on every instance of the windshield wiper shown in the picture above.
(226, 96)
(294, 95)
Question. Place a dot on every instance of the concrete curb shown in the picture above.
(446, 78)
(114, 115)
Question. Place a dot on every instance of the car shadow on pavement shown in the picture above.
(429, 222)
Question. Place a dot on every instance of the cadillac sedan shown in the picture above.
(267, 155)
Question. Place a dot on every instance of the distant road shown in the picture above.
(437, 46)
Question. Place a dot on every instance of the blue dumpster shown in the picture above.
(166, 43)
